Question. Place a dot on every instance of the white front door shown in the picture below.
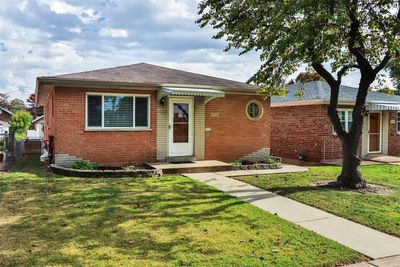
(180, 127)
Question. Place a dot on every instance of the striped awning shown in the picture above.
(175, 91)
(383, 106)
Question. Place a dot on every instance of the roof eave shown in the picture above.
(97, 83)
(6, 110)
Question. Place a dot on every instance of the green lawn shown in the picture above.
(377, 211)
(58, 221)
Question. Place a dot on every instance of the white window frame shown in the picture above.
(102, 128)
(398, 122)
(346, 119)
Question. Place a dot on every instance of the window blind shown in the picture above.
(118, 111)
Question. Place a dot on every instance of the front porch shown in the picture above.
(369, 159)
(381, 158)
(379, 132)
(218, 167)
(190, 167)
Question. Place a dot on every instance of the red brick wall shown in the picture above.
(394, 137)
(304, 130)
(107, 147)
(4, 116)
(232, 134)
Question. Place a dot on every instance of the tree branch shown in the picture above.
(318, 67)
(383, 63)
(343, 70)
(356, 45)
(334, 98)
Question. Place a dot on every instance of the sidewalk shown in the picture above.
(365, 240)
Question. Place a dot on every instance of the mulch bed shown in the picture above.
(370, 189)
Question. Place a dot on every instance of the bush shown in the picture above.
(20, 123)
(273, 160)
(84, 165)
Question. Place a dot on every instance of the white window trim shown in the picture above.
(102, 128)
(346, 119)
(397, 122)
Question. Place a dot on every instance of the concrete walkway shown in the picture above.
(365, 240)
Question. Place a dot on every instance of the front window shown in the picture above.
(346, 119)
(117, 111)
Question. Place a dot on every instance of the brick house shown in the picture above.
(302, 128)
(5, 117)
(145, 113)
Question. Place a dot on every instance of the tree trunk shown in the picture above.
(350, 176)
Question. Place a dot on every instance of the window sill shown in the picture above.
(117, 130)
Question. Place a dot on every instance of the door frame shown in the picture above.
(380, 132)
(190, 144)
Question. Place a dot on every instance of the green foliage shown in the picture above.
(84, 165)
(168, 221)
(387, 90)
(288, 34)
(394, 73)
(273, 160)
(20, 123)
(381, 212)
(308, 76)
(236, 163)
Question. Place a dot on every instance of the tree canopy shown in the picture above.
(394, 73)
(331, 36)
(32, 107)
(20, 123)
(13, 105)
(287, 34)
(306, 76)
(17, 105)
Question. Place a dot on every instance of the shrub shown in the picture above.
(273, 160)
(20, 123)
(236, 163)
(84, 165)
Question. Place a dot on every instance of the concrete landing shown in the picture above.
(286, 168)
(191, 167)
(382, 158)
(365, 240)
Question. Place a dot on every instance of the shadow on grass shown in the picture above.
(144, 218)
(289, 190)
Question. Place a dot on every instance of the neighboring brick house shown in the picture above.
(5, 117)
(302, 128)
(145, 113)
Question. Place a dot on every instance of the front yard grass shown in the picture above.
(381, 212)
(54, 220)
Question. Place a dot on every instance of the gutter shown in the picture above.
(97, 83)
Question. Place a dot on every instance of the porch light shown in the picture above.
(162, 101)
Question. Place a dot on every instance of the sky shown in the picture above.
(50, 37)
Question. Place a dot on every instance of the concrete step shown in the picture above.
(193, 167)
(181, 159)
